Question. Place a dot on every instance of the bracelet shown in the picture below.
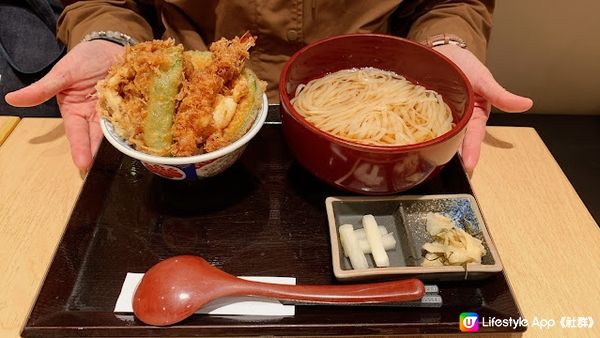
(444, 39)
(116, 37)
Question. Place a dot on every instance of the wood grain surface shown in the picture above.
(38, 187)
(7, 124)
(547, 240)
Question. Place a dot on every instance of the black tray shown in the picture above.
(263, 216)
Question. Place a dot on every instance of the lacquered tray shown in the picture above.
(264, 216)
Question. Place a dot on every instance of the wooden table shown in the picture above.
(547, 239)
(7, 124)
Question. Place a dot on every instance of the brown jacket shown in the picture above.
(282, 26)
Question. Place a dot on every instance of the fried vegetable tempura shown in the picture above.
(168, 102)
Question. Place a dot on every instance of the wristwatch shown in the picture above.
(444, 39)
(116, 37)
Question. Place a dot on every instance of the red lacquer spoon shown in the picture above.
(175, 288)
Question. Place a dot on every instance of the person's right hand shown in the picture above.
(73, 80)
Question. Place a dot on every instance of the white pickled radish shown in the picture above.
(360, 233)
(351, 247)
(375, 242)
(389, 243)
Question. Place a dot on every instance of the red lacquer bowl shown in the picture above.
(369, 169)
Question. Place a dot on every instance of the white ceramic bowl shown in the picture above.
(189, 167)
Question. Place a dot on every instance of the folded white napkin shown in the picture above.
(223, 306)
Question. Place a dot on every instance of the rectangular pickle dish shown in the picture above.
(405, 217)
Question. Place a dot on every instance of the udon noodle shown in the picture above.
(373, 106)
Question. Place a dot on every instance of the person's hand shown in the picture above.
(73, 81)
(487, 93)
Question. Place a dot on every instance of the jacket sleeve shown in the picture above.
(470, 20)
(83, 17)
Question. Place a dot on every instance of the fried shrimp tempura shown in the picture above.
(168, 102)
(193, 122)
(203, 85)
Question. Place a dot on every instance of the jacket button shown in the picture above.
(292, 35)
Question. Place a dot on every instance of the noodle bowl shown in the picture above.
(366, 145)
(373, 106)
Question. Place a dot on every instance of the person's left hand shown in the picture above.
(488, 93)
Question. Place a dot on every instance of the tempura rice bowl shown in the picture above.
(189, 167)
